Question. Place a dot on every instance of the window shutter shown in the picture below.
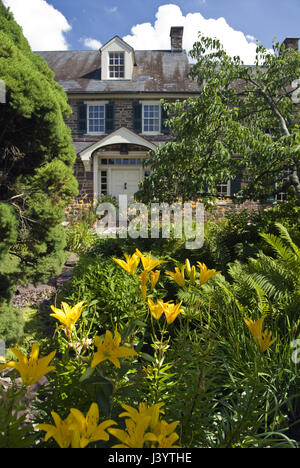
(82, 118)
(109, 117)
(271, 199)
(164, 116)
(137, 117)
(235, 185)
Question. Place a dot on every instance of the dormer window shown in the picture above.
(116, 65)
(117, 60)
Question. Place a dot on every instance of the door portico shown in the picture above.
(117, 171)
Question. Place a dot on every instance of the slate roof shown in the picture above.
(154, 71)
(82, 145)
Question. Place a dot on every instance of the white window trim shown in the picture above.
(151, 103)
(124, 65)
(282, 196)
(117, 45)
(228, 189)
(94, 103)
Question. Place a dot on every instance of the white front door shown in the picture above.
(124, 182)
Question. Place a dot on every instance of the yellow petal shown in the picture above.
(34, 351)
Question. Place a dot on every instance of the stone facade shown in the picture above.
(150, 77)
(123, 117)
(91, 81)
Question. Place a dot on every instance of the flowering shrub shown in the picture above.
(196, 369)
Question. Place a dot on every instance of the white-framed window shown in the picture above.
(283, 196)
(223, 189)
(103, 182)
(96, 117)
(116, 65)
(151, 117)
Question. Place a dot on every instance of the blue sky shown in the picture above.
(101, 19)
(83, 24)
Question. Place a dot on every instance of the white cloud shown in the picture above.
(43, 25)
(250, 38)
(91, 43)
(145, 36)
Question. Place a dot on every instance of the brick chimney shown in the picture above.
(291, 43)
(176, 38)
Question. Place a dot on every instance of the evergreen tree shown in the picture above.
(36, 163)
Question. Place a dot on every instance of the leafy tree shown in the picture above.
(36, 161)
(242, 126)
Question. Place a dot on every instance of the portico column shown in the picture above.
(95, 176)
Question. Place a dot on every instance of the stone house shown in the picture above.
(115, 94)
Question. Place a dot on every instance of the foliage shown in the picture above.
(219, 373)
(243, 125)
(286, 213)
(79, 237)
(11, 324)
(233, 237)
(100, 282)
(13, 432)
(36, 160)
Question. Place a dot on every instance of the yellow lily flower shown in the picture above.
(143, 277)
(190, 271)
(144, 424)
(171, 311)
(188, 266)
(165, 435)
(32, 369)
(110, 349)
(143, 411)
(262, 340)
(85, 429)
(178, 275)
(139, 253)
(135, 435)
(131, 263)
(206, 274)
(156, 309)
(2, 366)
(154, 277)
(67, 315)
(60, 431)
(148, 262)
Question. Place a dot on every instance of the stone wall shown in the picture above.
(123, 118)
(85, 180)
(220, 210)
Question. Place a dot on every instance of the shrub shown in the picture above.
(36, 161)
(80, 237)
(113, 291)
(11, 324)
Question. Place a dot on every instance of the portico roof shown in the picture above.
(120, 136)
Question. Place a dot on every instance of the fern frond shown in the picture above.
(272, 287)
(263, 303)
(278, 272)
(281, 250)
(285, 235)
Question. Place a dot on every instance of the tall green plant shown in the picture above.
(36, 162)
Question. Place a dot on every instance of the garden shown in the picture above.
(152, 345)
(144, 343)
